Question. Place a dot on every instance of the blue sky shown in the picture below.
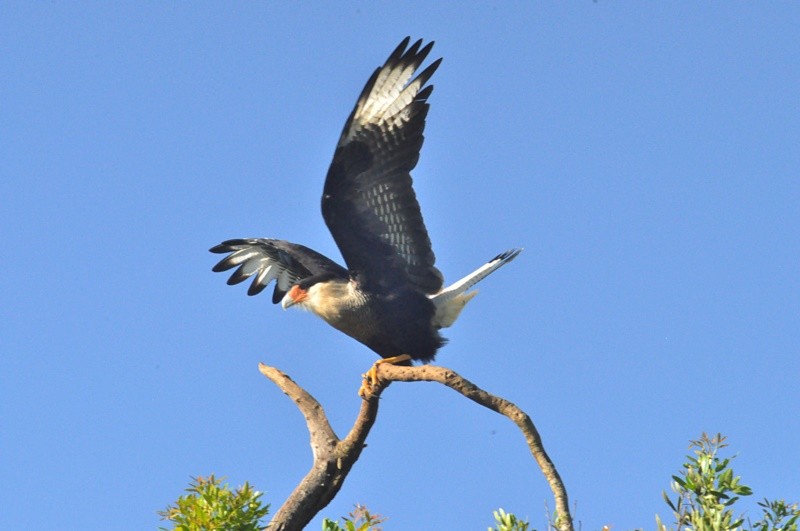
(645, 155)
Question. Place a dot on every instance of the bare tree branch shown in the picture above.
(430, 373)
(333, 458)
(322, 435)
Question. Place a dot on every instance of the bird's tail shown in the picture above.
(451, 300)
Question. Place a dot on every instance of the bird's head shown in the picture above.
(310, 292)
(324, 295)
(296, 295)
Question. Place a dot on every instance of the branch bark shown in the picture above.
(334, 457)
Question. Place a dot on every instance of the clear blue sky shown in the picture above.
(646, 156)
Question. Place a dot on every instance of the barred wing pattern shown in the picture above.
(266, 260)
(368, 201)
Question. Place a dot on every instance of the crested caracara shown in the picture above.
(390, 297)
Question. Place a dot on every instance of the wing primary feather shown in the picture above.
(426, 74)
(266, 260)
(240, 275)
(368, 200)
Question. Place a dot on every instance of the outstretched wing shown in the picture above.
(285, 262)
(368, 202)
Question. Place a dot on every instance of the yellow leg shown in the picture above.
(371, 376)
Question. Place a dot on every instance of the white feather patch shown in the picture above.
(451, 300)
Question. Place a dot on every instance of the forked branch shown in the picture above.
(334, 457)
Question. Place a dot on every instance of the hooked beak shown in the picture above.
(294, 296)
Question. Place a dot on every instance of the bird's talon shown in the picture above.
(371, 379)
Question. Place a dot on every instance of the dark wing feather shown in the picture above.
(285, 262)
(368, 201)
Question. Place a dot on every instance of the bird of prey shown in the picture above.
(390, 297)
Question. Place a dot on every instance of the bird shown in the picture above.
(390, 297)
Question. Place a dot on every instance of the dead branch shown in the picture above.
(334, 457)
(430, 373)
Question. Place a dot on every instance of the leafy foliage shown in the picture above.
(707, 489)
(705, 493)
(508, 522)
(360, 519)
(778, 516)
(210, 506)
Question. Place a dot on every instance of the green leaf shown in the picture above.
(210, 505)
